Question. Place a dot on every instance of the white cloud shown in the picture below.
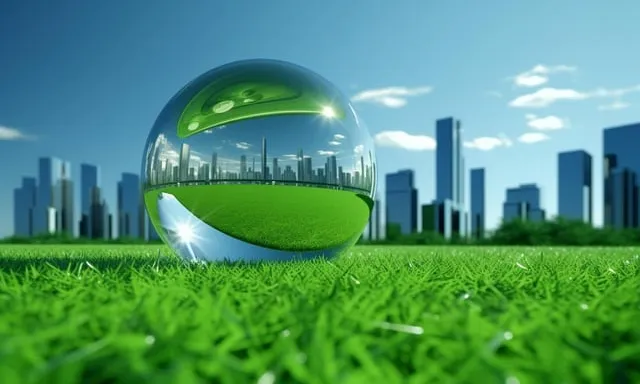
(614, 106)
(533, 137)
(487, 143)
(326, 153)
(338, 136)
(290, 156)
(603, 92)
(547, 123)
(334, 142)
(358, 149)
(243, 145)
(404, 140)
(7, 133)
(391, 97)
(539, 75)
(547, 96)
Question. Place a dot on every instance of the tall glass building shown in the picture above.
(89, 175)
(449, 212)
(130, 210)
(477, 202)
(53, 212)
(575, 188)
(402, 202)
(621, 171)
(449, 161)
(523, 203)
(24, 200)
(94, 215)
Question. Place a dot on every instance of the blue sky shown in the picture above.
(84, 81)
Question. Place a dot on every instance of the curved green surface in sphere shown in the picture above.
(325, 218)
(255, 91)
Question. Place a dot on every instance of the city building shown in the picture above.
(94, 213)
(53, 212)
(575, 190)
(621, 173)
(24, 201)
(429, 214)
(214, 166)
(243, 167)
(523, 203)
(402, 202)
(449, 212)
(477, 209)
(263, 158)
(130, 209)
(184, 161)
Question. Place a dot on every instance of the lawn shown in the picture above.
(282, 217)
(71, 314)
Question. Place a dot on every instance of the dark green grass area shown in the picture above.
(274, 216)
(128, 314)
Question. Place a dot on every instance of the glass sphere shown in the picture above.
(259, 160)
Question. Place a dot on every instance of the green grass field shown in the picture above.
(129, 314)
(279, 216)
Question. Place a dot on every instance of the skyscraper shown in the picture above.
(99, 215)
(130, 209)
(204, 173)
(402, 202)
(450, 214)
(185, 158)
(575, 191)
(307, 169)
(24, 200)
(477, 202)
(523, 202)
(243, 167)
(276, 170)
(53, 212)
(94, 212)
(89, 175)
(264, 159)
(332, 170)
(621, 176)
(214, 166)
(300, 165)
(448, 160)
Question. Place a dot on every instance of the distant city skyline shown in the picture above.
(333, 151)
(184, 170)
(448, 214)
(45, 204)
(523, 96)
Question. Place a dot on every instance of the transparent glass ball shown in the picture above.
(259, 160)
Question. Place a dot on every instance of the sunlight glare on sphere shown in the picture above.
(259, 160)
(185, 232)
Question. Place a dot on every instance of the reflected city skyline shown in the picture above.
(296, 168)
(298, 150)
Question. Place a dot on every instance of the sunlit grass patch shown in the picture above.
(76, 314)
